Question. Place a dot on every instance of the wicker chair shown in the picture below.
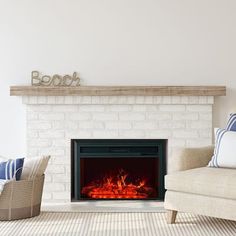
(21, 199)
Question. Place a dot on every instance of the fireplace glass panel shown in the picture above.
(118, 178)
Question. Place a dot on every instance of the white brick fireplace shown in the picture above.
(52, 121)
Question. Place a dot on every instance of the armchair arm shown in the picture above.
(190, 158)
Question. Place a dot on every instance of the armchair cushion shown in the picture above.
(215, 182)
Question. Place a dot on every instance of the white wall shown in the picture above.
(125, 42)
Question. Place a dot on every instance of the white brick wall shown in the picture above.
(53, 121)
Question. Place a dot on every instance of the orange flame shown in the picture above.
(117, 187)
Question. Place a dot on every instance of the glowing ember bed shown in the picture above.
(118, 169)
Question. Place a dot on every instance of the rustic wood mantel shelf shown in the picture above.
(119, 91)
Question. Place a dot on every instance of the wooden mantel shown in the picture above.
(119, 91)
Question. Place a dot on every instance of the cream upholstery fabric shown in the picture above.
(189, 158)
(208, 181)
(202, 205)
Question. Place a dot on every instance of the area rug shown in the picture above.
(117, 224)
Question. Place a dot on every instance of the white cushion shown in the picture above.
(34, 167)
(224, 153)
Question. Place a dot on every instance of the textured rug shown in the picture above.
(117, 224)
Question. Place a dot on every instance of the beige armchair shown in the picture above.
(195, 188)
(21, 199)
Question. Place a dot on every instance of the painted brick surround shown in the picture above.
(53, 121)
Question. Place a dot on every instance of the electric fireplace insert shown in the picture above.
(108, 169)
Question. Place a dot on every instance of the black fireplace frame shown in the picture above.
(95, 148)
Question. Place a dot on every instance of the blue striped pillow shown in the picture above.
(11, 169)
(231, 125)
(214, 160)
